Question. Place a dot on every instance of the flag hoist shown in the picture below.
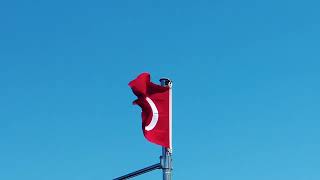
(156, 104)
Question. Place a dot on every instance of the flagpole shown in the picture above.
(166, 158)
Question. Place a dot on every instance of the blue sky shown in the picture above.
(246, 88)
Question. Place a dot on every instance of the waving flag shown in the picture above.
(155, 102)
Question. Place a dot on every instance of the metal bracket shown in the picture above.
(139, 172)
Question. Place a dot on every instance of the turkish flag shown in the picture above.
(155, 102)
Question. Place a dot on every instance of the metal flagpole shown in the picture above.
(166, 159)
(166, 164)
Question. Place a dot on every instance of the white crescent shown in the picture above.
(155, 115)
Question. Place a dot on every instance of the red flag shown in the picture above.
(155, 102)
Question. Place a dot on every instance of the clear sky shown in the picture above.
(246, 88)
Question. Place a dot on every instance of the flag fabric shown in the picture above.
(155, 102)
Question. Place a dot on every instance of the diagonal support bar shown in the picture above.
(139, 172)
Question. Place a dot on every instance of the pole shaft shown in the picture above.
(166, 159)
(166, 164)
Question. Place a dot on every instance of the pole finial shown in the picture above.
(165, 82)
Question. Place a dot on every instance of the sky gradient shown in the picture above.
(245, 88)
